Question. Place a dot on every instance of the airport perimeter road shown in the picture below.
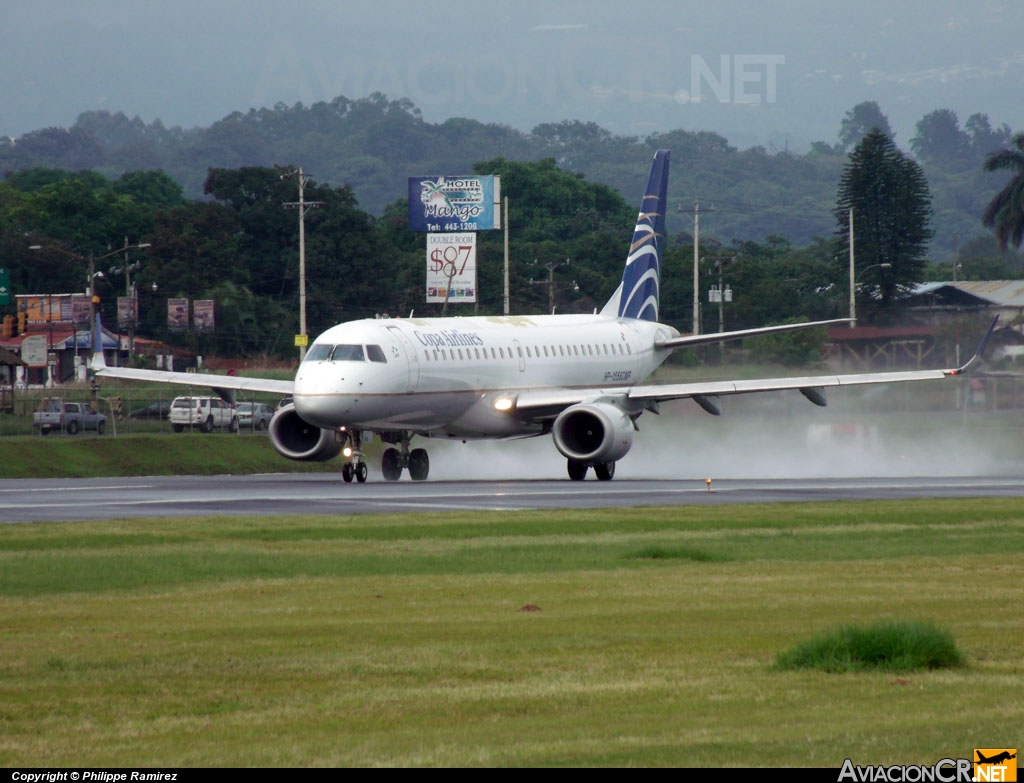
(34, 500)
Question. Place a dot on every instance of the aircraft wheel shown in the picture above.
(604, 470)
(419, 464)
(347, 472)
(361, 472)
(577, 470)
(391, 465)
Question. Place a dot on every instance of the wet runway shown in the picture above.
(34, 500)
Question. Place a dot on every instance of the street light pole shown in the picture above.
(853, 303)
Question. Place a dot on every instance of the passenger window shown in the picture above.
(375, 354)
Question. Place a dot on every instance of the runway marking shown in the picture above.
(80, 489)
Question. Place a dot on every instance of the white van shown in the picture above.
(203, 413)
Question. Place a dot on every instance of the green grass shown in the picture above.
(196, 454)
(406, 640)
(889, 646)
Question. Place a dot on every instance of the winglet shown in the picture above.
(97, 362)
(977, 354)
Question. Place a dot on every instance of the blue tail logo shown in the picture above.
(638, 295)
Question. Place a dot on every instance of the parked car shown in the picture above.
(69, 417)
(254, 415)
(204, 413)
(155, 410)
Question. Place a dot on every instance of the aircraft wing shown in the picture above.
(687, 340)
(547, 403)
(224, 385)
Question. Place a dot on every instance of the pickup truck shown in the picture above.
(69, 417)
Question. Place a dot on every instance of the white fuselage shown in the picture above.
(441, 376)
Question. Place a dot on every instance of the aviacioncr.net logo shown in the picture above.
(944, 771)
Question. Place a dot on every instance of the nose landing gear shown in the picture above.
(354, 467)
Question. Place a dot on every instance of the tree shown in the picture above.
(940, 140)
(891, 204)
(860, 121)
(984, 138)
(1005, 212)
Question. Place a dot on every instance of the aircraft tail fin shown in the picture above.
(637, 296)
(97, 362)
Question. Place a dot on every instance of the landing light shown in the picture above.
(503, 404)
(347, 451)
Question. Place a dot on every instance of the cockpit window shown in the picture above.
(375, 354)
(319, 352)
(348, 353)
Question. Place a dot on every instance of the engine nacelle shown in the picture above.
(593, 432)
(295, 439)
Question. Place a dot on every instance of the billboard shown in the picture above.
(55, 309)
(177, 315)
(451, 268)
(202, 315)
(127, 311)
(469, 203)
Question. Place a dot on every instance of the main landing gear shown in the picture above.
(395, 460)
(578, 470)
(354, 467)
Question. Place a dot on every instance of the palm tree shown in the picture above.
(1005, 212)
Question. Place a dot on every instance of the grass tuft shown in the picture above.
(888, 646)
(657, 552)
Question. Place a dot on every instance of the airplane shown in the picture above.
(578, 378)
(996, 759)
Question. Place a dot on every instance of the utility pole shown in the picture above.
(302, 339)
(506, 299)
(853, 280)
(551, 283)
(129, 292)
(696, 261)
(956, 262)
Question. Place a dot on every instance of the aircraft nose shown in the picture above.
(323, 398)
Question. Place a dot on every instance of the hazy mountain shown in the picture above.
(779, 74)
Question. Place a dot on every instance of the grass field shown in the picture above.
(618, 637)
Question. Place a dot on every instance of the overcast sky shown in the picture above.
(774, 73)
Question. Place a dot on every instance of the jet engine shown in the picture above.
(295, 439)
(593, 433)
